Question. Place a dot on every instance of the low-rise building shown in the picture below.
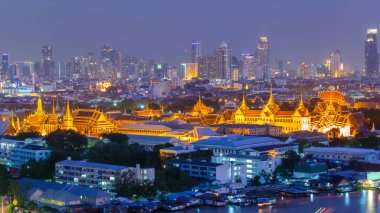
(23, 153)
(5, 149)
(97, 175)
(233, 144)
(143, 129)
(344, 154)
(150, 142)
(309, 137)
(176, 150)
(223, 173)
(249, 129)
(62, 196)
(254, 164)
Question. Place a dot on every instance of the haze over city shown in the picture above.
(207, 106)
(298, 30)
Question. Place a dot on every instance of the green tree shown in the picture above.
(116, 137)
(24, 135)
(31, 205)
(302, 144)
(255, 181)
(48, 209)
(67, 142)
(154, 158)
(267, 176)
(173, 180)
(289, 159)
(119, 154)
(4, 180)
(128, 186)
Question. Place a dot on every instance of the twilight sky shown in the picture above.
(306, 30)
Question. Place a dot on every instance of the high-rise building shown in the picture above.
(195, 51)
(223, 61)
(371, 54)
(306, 71)
(47, 63)
(110, 58)
(61, 71)
(235, 73)
(336, 64)
(191, 71)
(262, 56)
(207, 67)
(5, 64)
(76, 67)
(249, 65)
(281, 68)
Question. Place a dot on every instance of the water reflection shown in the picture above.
(356, 202)
(370, 200)
(346, 199)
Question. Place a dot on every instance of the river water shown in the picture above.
(365, 201)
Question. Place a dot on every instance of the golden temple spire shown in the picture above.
(68, 110)
(39, 105)
(301, 104)
(18, 125)
(53, 109)
(147, 105)
(199, 98)
(244, 103)
(13, 121)
(271, 99)
(68, 120)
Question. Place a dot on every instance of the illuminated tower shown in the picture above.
(262, 56)
(68, 119)
(371, 54)
(336, 64)
(191, 71)
(223, 61)
(249, 64)
(47, 63)
(5, 65)
(195, 51)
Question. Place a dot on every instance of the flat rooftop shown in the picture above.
(342, 150)
(91, 165)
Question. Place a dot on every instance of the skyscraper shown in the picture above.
(371, 54)
(47, 63)
(235, 73)
(262, 55)
(207, 67)
(191, 71)
(249, 65)
(335, 64)
(5, 64)
(223, 61)
(195, 51)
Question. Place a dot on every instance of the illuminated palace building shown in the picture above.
(296, 120)
(87, 121)
(40, 121)
(332, 112)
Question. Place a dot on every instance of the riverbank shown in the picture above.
(361, 201)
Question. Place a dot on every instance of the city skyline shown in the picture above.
(75, 31)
